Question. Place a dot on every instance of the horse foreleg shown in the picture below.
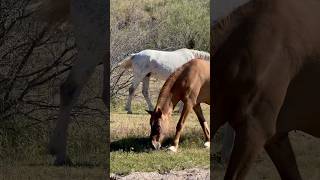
(186, 109)
(248, 144)
(227, 142)
(145, 91)
(282, 155)
(69, 92)
(204, 125)
(135, 83)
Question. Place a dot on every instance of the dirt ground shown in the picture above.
(188, 174)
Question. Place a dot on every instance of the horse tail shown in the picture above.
(127, 62)
(53, 12)
(201, 54)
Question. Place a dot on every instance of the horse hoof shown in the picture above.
(172, 148)
(207, 144)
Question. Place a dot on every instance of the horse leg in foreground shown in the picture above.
(227, 142)
(282, 155)
(87, 18)
(254, 123)
(204, 125)
(69, 92)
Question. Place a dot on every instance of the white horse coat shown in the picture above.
(159, 64)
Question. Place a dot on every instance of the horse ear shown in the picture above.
(149, 112)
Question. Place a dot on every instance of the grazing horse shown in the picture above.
(89, 20)
(266, 71)
(189, 84)
(156, 63)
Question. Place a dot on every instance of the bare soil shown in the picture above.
(188, 174)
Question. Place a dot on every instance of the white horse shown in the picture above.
(159, 64)
(89, 19)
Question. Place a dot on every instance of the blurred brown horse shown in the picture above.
(266, 75)
(190, 84)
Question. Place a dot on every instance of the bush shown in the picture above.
(155, 24)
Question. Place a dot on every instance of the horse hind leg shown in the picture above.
(145, 91)
(134, 84)
(204, 125)
(282, 155)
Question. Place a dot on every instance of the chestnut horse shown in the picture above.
(266, 71)
(190, 84)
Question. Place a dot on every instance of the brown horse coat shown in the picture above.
(190, 84)
(266, 69)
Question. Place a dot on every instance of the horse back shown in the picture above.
(194, 81)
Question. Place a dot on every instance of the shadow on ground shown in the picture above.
(135, 144)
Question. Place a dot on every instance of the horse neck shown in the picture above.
(166, 100)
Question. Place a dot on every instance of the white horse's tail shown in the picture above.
(127, 62)
(201, 54)
(51, 11)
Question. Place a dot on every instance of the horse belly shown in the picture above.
(301, 108)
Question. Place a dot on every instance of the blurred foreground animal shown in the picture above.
(89, 19)
(266, 74)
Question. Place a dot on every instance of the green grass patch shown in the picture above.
(161, 161)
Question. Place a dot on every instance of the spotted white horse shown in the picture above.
(89, 20)
(159, 64)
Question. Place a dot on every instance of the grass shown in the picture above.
(24, 155)
(131, 149)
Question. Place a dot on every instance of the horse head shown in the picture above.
(158, 124)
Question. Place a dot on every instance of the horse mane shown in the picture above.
(223, 28)
(200, 54)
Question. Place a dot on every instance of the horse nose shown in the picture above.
(156, 144)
